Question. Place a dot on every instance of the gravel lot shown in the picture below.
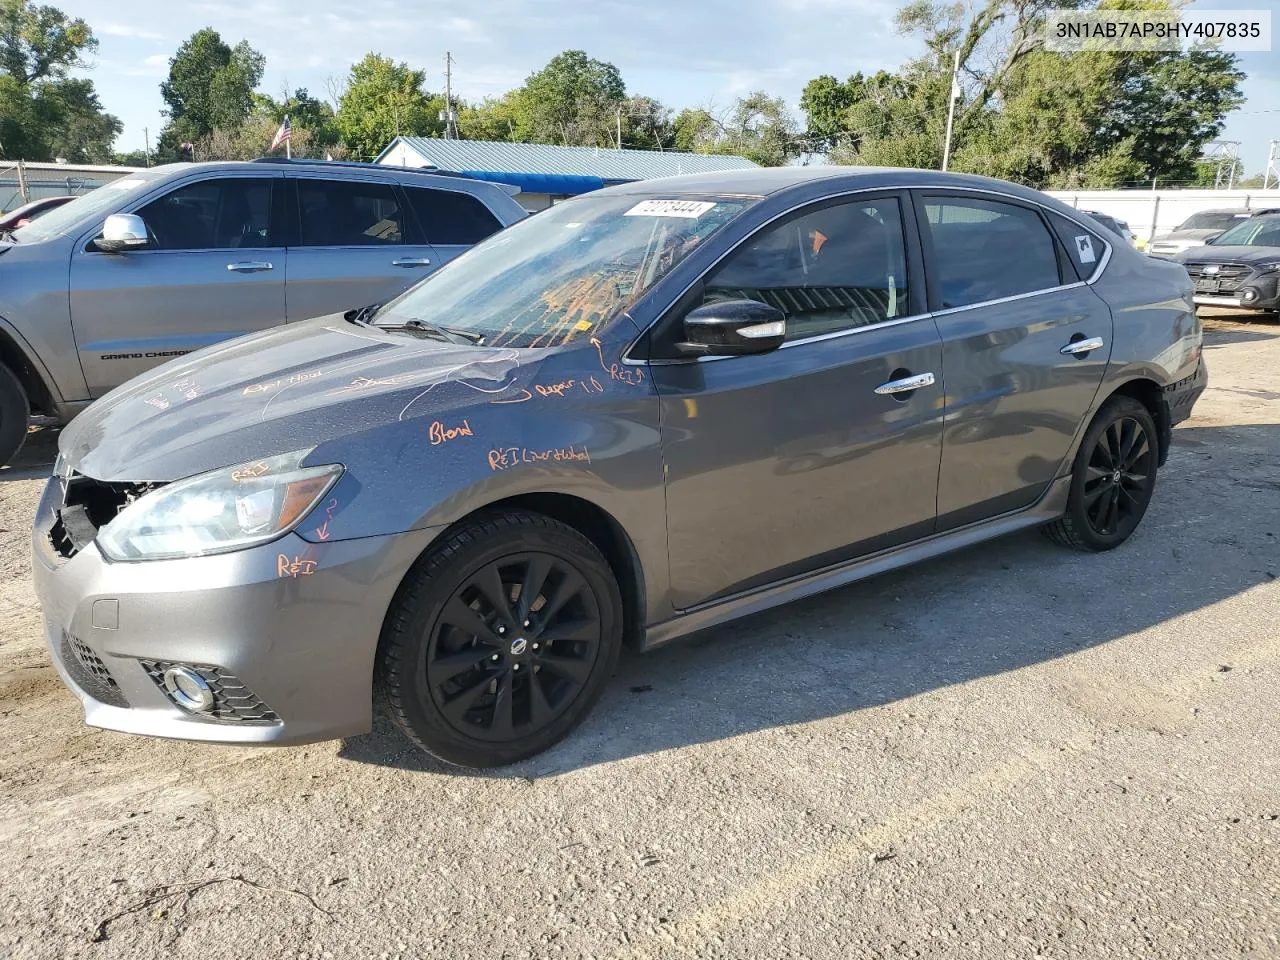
(1013, 751)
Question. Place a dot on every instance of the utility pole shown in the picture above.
(951, 111)
(146, 145)
(1273, 165)
(450, 118)
(619, 126)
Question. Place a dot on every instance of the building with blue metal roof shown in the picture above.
(546, 173)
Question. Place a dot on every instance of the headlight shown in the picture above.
(1268, 267)
(219, 511)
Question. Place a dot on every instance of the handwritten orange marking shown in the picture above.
(296, 567)
(439, 433)
(616, 371)
(508, 457)
(322, 531)
(249, 472)
(555, 389)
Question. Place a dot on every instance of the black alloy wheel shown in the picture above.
(513, 647)
(1113, 479)
(500, 639)
(1118, 477)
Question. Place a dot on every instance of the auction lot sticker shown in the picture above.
(690, 209)
(1075, 31)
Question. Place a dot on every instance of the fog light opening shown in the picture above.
(188, 689)
(1248, 295)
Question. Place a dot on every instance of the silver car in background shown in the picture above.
(1198, 230)
(175, 258)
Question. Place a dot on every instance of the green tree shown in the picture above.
(494, 118)
(757, 126)
(43, 113)
(574, 100)
(1025, 113)
(41, 43)
(80, 131)
(384, 99)
(210, 86)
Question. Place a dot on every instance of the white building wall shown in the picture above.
(1151, 213)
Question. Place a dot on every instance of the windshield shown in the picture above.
(1211, 220)
(562, 273)
(95, 204)
(1259, 232)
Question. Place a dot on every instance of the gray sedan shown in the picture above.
(641, 413)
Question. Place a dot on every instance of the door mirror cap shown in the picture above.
(121, 232)
(1208, 241)
(732, 328)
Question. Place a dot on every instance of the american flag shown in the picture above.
(282, 135)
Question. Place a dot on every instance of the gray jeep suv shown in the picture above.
(181, 256)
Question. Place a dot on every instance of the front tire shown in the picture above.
(14, 413)
(1113, 479)
(500, 640)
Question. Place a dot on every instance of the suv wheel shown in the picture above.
(14, 412)
(500, 640)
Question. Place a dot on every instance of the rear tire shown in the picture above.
(500, 640)
(14, 413)
(1113, 479)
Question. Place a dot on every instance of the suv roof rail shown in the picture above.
(362, 165)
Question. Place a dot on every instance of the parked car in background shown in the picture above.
(1198, 229)
(173, 258)
(1116, 226)
(1241, 268)
(643, 412)
(34, 210)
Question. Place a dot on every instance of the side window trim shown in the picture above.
(922, 194)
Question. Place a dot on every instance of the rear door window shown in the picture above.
(987, 250)
(345, 213)
(451, 218)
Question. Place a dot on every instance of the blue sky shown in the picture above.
(685, 54)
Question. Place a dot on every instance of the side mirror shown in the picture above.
(732, 328)
(121, 232)
(1209, 240)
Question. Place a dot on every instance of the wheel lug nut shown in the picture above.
(515, 666)
(502, 629)
(535, 646)
(496, 657)
(526, 623)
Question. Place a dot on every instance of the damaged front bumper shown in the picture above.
(284, 634)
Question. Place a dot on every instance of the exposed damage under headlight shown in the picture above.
(87, 506)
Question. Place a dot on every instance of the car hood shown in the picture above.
(1186, 236)
(1231, 254)
(289, 388)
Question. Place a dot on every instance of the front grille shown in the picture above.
(1229, 276)
(233, 701)
(89, 672)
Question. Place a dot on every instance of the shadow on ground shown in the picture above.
(1213, 532)
(35, 459)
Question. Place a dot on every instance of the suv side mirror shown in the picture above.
(732, 328)
(122, 231)
(1208, 241)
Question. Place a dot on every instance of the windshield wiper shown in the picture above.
(447, 334)
(8, 235)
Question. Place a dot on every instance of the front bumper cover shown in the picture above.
(296, 623)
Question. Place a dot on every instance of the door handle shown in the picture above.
(905, 385)
(411, 262)
(249, 266)
(1077, 347)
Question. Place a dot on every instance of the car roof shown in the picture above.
(768, 181)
